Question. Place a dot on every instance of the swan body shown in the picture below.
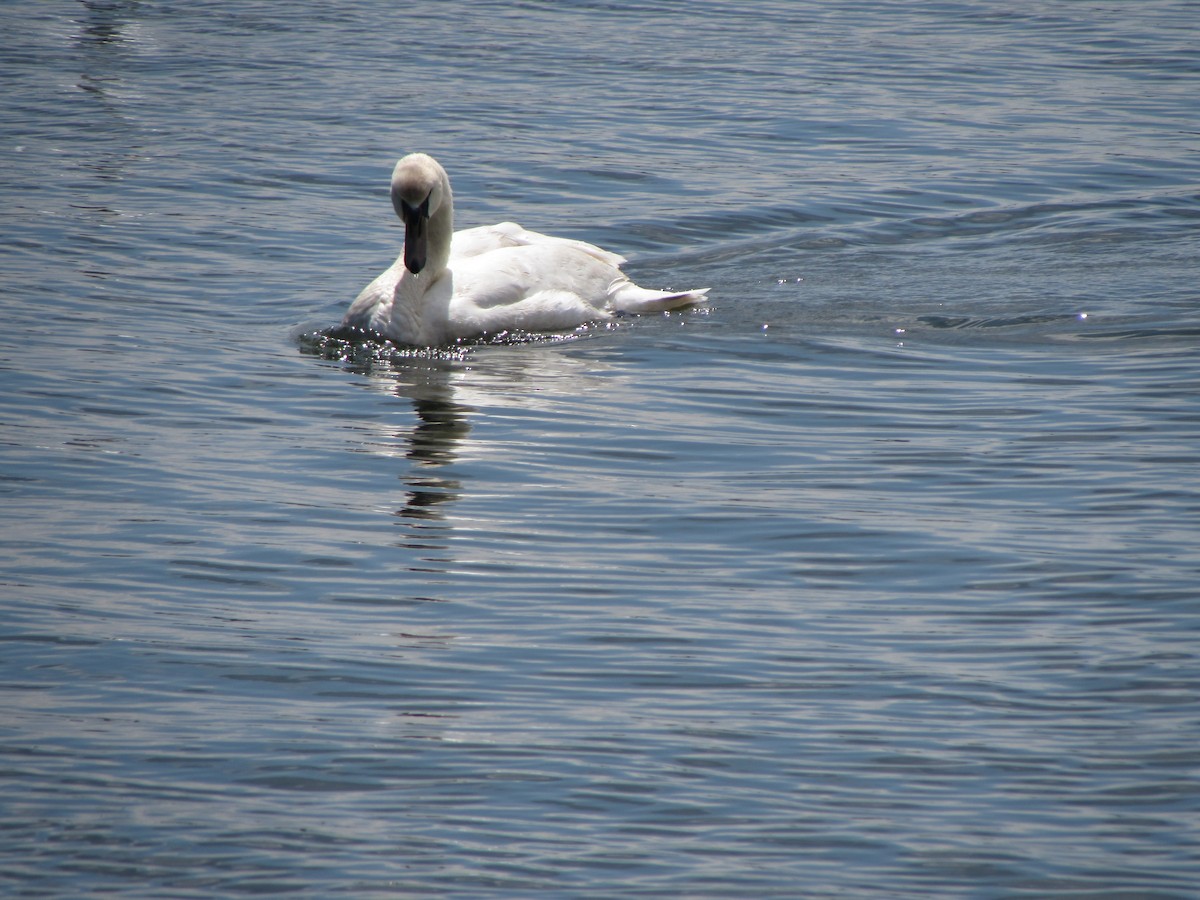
(449, 285)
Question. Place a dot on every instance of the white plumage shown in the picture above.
(448, 285)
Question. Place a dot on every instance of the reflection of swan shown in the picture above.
(496, 278)
(447, 395)
(442, 427)
(433, 442)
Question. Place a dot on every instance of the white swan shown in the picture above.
(448, 285)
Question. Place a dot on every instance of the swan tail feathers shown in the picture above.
(628, 297)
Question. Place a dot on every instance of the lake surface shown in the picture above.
(876, 578)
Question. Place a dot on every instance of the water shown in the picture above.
(875, 579)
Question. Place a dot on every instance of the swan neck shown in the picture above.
(441, 233)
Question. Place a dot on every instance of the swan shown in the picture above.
(449, 285)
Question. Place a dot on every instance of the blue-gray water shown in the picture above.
(878, 579)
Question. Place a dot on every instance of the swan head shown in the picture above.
(420, 191)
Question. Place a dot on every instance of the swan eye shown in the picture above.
(422, 208)
(408, 212)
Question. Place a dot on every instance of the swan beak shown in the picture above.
(416, 235)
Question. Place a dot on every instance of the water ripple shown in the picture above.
(874, 579)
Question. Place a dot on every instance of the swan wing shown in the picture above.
(547, 284)
(542, 285)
